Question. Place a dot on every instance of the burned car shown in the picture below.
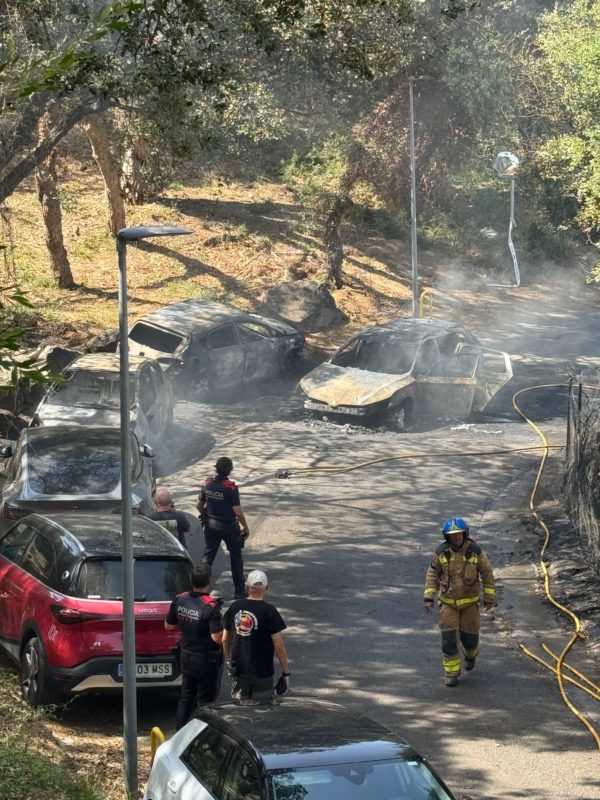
(71, 468)
(210, 348)
(90, 395)
(407, 366)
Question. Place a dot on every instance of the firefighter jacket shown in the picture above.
(459, 575)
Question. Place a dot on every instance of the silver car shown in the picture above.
(213, 349)
(90, 396)
(71, 468)
(404, 367)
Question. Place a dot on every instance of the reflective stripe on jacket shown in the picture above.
(459, 576)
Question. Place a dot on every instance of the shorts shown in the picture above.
(260, 689)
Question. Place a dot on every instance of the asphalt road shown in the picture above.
(346, 556)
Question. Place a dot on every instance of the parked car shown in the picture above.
(90, 395)
(300, 749)
(407, 366)
(61, 604)
(71, 468)
(211, 348)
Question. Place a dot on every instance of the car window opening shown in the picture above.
(89, 389)
(155, 338)
(376, 354)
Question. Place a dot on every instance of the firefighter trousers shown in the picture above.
(458, 624)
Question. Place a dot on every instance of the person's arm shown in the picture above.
(217, 637)
(488, 581)
(281, 653)
(226, 644)
(171, 618)
(431, 584)
(170, 627)
(237, 510)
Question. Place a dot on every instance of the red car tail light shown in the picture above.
(72, 616)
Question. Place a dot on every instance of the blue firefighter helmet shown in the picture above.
(455, 525)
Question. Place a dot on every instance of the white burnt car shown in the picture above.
(407, 366)
(90, 396)
(211, 349)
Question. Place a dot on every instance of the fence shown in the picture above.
(582, 473)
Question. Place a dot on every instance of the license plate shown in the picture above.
(155, 670)
(312, 405)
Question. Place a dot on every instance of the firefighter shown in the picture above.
(458, 571)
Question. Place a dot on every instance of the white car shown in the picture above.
(90, 396)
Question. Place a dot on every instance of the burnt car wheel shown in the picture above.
(399, 415)
(34, 686)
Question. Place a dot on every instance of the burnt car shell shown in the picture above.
(210, 347)
(407, 366)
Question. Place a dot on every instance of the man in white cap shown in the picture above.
(252, 636)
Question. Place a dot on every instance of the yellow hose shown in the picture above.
(576, 633)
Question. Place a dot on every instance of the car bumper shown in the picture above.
(351, 411)
(102, 673)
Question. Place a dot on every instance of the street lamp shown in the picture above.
(413, 192)
(506, 165)
(129, 664)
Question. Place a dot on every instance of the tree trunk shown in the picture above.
(97, 133)
(47, 186)
(333, 245)
(137, 172)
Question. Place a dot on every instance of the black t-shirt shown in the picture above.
(198, 615)
(220, 496)
(250, 625)
(175, 522)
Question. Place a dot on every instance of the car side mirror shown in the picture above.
(6, 451)
(147, 451)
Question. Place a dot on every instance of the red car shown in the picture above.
(61, 603)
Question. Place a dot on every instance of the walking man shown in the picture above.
(198, 616)
(252, 636)
(165, 514)
(458, 572)
(223, 520)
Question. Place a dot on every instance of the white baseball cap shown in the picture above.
(257, 578)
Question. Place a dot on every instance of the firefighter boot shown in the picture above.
(451, 680)
(469, 664)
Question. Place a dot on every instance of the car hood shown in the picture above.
(79, 415)
(349, 386)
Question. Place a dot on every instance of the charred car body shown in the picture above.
(71, 468)
(210, 348)
(406, 366)
(90, 395)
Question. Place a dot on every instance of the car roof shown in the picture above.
(64, 434)
(301, 732)
(193, 316)
(99, 535)
(104, 362)
(417, 328)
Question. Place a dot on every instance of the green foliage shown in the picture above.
(316, 177)
(13, 305)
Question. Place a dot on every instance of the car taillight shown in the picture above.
(72, 616)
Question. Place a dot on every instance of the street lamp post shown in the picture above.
(129, 664)
(413, 200)
(506, 165)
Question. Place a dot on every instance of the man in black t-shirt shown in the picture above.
(222, 516)
(252, 636)
(198, 616)
(175, 522)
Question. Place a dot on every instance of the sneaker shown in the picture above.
(450, 680)
(469, 664)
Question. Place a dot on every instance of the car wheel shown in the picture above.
(34, 686)
(399, 416)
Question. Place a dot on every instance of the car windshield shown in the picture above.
(155, 580)
(73, 467)
(378, 353)
(84, 388)
(363, 781)
(155, 338)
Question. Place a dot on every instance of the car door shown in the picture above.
(494, 370)
(13, 584)
(207, 760)
(445, 385)
(261, 348)
(225, 358)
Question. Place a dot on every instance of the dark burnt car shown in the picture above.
(210, 348)
(61, 609)
(404, 367)
(300, 749)
(71, 468)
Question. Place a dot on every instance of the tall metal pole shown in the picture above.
(129, 665)
(413, 202)
(512, 224)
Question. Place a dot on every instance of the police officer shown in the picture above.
(223, 520)
(198, 616)
(460, 573)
